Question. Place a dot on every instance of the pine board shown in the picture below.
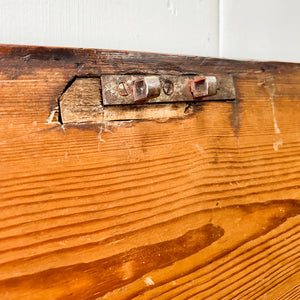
(198, 207)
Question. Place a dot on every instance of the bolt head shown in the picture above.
(204, 86)
(146, 88)
(199, 87)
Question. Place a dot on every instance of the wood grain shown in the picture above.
(204, 206)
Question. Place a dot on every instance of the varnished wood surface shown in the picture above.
(200, 207)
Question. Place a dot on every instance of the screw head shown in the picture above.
(123, 89)
(168, 87)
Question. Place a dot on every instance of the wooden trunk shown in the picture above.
(200, 205)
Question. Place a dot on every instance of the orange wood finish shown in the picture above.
(199, 207)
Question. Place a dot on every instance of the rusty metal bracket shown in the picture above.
(137, 89)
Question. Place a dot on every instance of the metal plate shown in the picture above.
(179, 91)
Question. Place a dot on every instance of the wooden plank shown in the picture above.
(204, 206)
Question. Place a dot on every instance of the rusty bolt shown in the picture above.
(123, 89)
(204, 86)
(199, 87)
(146, 88)
(168, 87)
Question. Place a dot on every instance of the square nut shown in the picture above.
(146, 88)
(204, 86)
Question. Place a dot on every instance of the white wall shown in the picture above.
(172, 26)
(260, 29)
(244, 29)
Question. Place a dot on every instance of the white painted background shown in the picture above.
(243, 29)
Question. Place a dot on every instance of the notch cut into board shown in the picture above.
(82, 102)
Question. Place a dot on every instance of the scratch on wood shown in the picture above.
(149, 281)
(200, 149)
(53, 117)
(271, 90)
(103, 129)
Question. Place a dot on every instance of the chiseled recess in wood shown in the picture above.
(183, 254)
(81, 102)
(79, 195)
